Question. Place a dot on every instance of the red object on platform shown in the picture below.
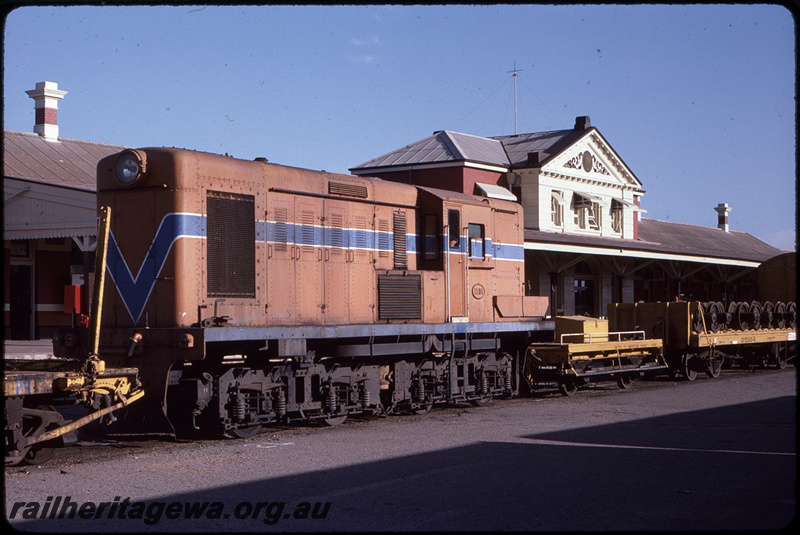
(72, 299)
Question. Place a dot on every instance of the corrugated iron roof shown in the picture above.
(548, 144)
(440, 147)
(68, 162)
(672, 238)
(706, 241)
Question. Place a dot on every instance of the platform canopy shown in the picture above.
(33, 210)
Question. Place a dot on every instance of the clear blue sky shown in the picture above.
(697, 100)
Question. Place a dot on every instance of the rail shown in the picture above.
(606, 337)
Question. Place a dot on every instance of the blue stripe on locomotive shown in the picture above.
(136, 290)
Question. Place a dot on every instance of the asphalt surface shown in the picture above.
(715, 454)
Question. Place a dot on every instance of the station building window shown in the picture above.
(617, 213)
(557, 208)
(587, 214)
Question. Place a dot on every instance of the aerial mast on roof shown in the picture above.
(515, 71)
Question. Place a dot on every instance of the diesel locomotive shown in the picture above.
(247, 292)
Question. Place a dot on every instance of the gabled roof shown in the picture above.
(507, 152)
(442, 147)
(548, 144)
(68, 162)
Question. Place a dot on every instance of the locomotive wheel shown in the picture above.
(725, 318)
(423, 409)
(768, 315)
(697, 320)
(687, 361)
(567, 387)
(39, 454)
(334, 420)
(482, 402)
(624, 381)
(779, 358)
(246, 432)
(791, 312)
(741, 316)
(717, 314)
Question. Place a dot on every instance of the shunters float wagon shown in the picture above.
(584, 351)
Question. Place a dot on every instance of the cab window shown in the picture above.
(454, 226)
(477, 248)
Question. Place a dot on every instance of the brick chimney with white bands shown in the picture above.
(46, 97)
(722, 221)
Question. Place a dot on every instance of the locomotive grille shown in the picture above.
(400, 256)
(281, 233)
(231, 243)
(349, 190)
(384, 245)
(399, 297)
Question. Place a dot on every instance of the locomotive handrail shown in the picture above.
(607, 335)
(339, 197)
(100, 276)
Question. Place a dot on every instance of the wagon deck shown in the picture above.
(726, 338)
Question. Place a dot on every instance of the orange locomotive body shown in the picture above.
(249, 292)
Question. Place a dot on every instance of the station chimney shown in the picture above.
(722, 221)
(46, 97)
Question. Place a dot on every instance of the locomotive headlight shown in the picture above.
(130, 167)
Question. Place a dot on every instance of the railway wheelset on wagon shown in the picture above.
(32, 390)
(698, 338)
(743, 316)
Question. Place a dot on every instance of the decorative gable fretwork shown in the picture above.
(583, 189)
(588, 162)
(591, 158)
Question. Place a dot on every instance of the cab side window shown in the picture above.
(430, 241)
(477, 248)
(454, 226)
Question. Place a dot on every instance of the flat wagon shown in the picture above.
(701, 337)
(584, 351)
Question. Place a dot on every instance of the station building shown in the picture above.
(586, 242)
